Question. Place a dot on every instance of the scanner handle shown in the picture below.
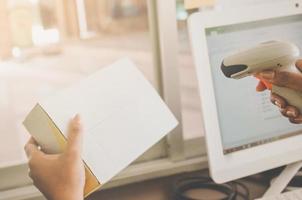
(292, 97)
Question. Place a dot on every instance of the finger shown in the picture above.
(278, 101)
(288, 79)
(260, 87)
(283, 79)
(31, 147)
(291, 112)
(283, 112)
(75, 136)
(297, 120)
(299, 65)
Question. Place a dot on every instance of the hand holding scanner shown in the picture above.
(271, 55)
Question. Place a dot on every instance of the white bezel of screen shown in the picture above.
(250, 161)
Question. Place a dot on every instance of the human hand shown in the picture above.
(59, 176)
(284, 79)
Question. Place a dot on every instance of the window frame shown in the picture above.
(179, 148)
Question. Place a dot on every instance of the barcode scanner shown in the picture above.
(270, 55)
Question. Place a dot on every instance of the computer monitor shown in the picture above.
(240, 108)
(245, 133)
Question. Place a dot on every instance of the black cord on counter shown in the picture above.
(231, 191)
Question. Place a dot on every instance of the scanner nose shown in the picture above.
(230, 70)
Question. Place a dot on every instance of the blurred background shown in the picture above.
(46, 45)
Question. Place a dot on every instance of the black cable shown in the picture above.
(296, 182)
(232, 191)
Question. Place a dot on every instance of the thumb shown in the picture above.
(288, 79)
(75, 136)
(283, 79)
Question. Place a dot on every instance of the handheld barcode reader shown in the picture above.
(269, 55)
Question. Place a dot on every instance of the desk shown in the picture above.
(161, 189)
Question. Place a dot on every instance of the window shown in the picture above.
(51, 44)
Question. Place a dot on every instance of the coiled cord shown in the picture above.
(232, 191)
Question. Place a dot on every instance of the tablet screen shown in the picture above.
(247, 118)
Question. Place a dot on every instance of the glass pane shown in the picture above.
(190, 101)
(32, 23)
(55, 43)
(121, 28)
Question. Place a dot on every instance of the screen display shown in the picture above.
(247, 118)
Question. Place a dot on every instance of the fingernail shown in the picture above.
(291, 113)
(277, 103)
(77, 118)
(267, 74)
